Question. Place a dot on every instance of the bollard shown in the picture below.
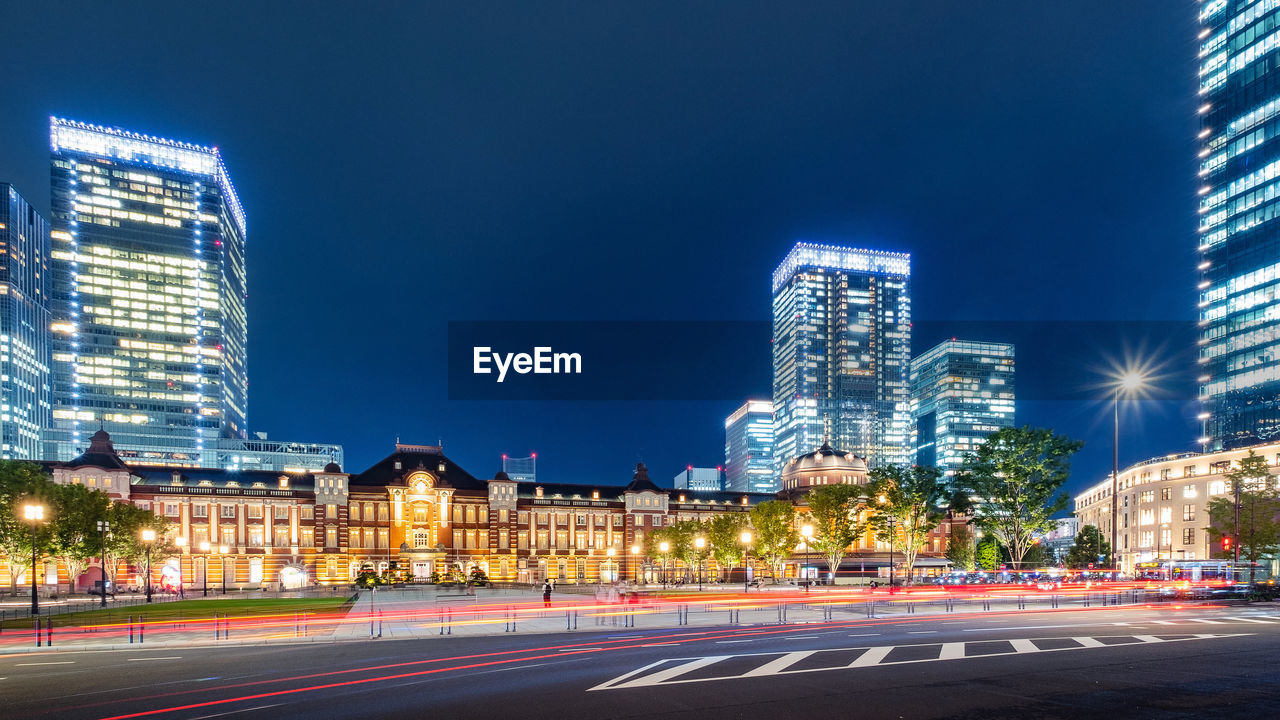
(379, 623)
(566, 620)
(48, 638)
(304, 623)
(142, 629)
(37, 619)
(130, 629)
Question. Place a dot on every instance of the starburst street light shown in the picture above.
(1129, 382)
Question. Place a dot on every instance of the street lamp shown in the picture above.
(33, 514)
(663, 547)
(1164, 528)
(893, 535)
(635, 564)
(746, 538)
(103, 527)
(204, 582)
(1128, 383)
(222, 565)
(181, 542)
(148, 537)
(700, 543)
(806, 531)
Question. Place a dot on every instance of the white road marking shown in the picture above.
(579, 649)
(774, 663)
(727, 642)
(773, 667)
(1205, 621)
(799, 637)
(1245, 619)
(233, 712)
(921, 632)
(171, 657)
(863, 634)
(60, 662)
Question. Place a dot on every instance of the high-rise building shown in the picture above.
(25, 398)
(1239, 109)
(148, 294)
(523, 469)
(748, 449)
(841, 351)
(961, 392)
(700, 478)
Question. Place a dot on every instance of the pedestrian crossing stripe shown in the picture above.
(676, 671)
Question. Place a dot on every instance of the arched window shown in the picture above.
(421, 538)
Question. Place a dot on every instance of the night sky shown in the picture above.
(403, 168)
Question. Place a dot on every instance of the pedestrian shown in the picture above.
(546, 593)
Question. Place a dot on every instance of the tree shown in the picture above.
(834, 511)
(775, 533)
(1014, 482)
(907, 507)
(74, 536)
(124, 542)
(21, 482)
(724, 534)
(1251, 518)
(987, 553)
(960, 550)
(1089, 548)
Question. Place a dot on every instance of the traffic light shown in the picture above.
(1226, 544)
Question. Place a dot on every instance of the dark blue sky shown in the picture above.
(406, 167)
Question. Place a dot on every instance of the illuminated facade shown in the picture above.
(961, 392)
(1163, 506)
(841, 351)
(148, 294)
(748, 448)
(699, 478)
(1239, 109)
(25, 397)
(420, 512)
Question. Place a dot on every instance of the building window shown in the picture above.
(1188, 536)
(542, 539)
(255, 571)
(281, 512)
(201, 510)
(308, 512)
(1166, 493)
(171, 509)
(457, 539)
(1166, 514)
(471, 513)
(582, 520)
(1189, 491)
(354, 536)
(522, 540)
(254, 512)
(384, 538)
(421, 538)
(331, 511)
(331, 537)
(502, 515)
(281, 536)
(227, 511)
(382, 512)
(484, 514)
(503, 538)
(369, 538)
(1146, 538)
(1188, 512)
(255, 537)
(1217, 487)
(617, 521)
(482, 539)
(228, 536)
(308, 537)
(1147, 496)
(1189, 471)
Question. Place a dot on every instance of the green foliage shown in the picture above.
(1088, 546)
(774, 533)
(20, 483)
(74, 537)
(907, 506)
(477, 576)
(369, 578)
(987, 555)
(960, 550)
(724, 533)
(1258, 535)
(835, 511)
(1015, 483)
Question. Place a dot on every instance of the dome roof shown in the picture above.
(332, 468)
(825, 459)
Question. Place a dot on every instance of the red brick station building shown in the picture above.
(420, 511)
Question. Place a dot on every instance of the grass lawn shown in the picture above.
(180, 610)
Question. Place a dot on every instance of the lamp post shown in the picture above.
(635, 564)
(746, 538)
(1126, 384)
(33, 514)
(893, 535)
(1164, 527)
(103, 527)
(700, 543)
(806, 531)
(204, 581)
(222, 565)
(148, 537)
(663, 547)
(609, 562)
(181, 542)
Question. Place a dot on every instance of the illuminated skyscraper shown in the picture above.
(25, 400)
(699, 478)
(1239, 108)
(841, 350)
(523, 469)
(748, 449)
(961, 392)
(148, 295)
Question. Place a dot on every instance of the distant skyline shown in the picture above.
(602, 163)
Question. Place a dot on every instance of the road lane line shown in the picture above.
(1245, 619)
(728, 642)
(951, 651)
(1206, 621)
(864, 634)
(59, 662)
(777, 665)
(171, 657)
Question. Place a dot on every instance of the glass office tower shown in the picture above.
(961, 392)
(1239, 239)
(841, 351)
(748, 449)
(25, 396)
(148, 295)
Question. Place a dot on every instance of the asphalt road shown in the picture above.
(1115, 663)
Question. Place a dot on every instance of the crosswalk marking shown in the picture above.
(1205, 621)
(1245, 619)
(783, 663)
